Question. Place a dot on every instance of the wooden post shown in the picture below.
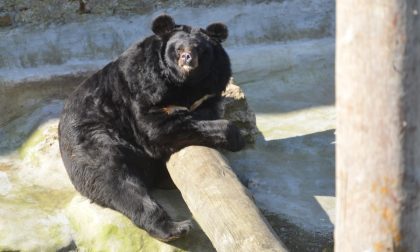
(220, 203)
(378, 125)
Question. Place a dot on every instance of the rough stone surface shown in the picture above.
(34, 51)
(58, 11)
(287, 82)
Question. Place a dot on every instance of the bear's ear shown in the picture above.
(218, 31)
(163, 24)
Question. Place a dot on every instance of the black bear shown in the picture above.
(119, 127)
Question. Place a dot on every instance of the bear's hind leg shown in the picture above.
(117, 175)
(133, 200)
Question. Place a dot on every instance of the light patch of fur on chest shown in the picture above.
(172, 108)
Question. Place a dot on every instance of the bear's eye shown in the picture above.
(179, 51)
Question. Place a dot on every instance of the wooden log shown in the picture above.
(220, 203)
(378, 120)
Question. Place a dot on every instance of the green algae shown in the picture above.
(125, 237)
(101, 229)
(39, 141)
(34, 139)
(38, 197)
(57, 237)
(28, 228)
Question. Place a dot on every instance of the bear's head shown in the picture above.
(188, 51)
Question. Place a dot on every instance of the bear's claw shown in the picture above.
(176, 231)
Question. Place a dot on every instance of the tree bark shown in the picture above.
(220, 203)
(378, 120)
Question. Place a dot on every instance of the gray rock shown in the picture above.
(234, 107)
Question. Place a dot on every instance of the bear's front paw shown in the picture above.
(235, 140)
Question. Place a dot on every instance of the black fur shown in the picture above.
(115, 135)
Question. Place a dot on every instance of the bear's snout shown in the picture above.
(186, 57)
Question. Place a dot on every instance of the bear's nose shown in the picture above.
(186, 57)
